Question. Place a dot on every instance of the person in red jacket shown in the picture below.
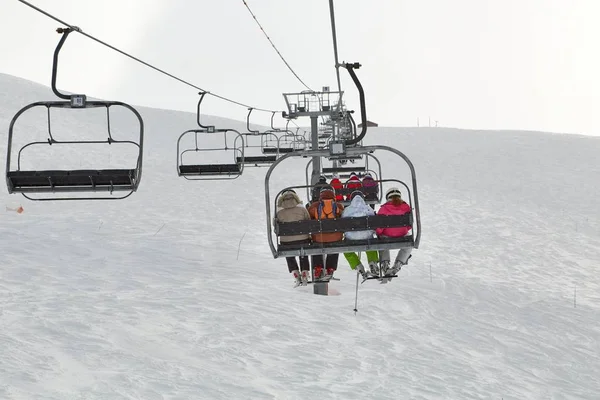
(353, 183)
(336, 184)
(394, 206)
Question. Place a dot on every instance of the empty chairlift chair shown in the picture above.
(193, 162)
(68, 183)
(255, 143)
(290, 142)
(254, 148)
(270, 144)
(209, 153)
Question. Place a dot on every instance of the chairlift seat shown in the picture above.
(331, 170)
(257, 159)
(286, 149)
(344, 158)
(210, 169)
(54, 180)
(364, 190)
(270, 150)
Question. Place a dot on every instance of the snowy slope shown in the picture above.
(173, 293)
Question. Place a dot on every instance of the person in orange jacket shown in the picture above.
(326, 208)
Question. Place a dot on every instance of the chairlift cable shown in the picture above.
(78, 30)
(273, 45)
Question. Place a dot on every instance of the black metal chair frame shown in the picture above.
(212, 171)
(260, 159)
(64, 181)
(279, 249)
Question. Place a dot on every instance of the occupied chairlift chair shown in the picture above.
(375, 174)
(280, 249)
(232, 149)
(344, 172)
(67, 182)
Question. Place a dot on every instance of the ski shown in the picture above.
(382, 279)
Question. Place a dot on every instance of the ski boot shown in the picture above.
(305, 277)
(374, 268)
(297, 280)
(361, 270)
(385, 265)
(317, 273)
(395, 269)
(329, 274)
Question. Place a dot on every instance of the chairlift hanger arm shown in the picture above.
(65, 32)
(272, 126)
(202, 94)
(363, 110)
(352, 122)
(248, 122)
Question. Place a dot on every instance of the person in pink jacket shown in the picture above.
(394, 206)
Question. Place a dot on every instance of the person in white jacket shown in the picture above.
(358, 208)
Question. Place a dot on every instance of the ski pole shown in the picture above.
(356, 295)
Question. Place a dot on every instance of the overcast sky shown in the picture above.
(485, 64)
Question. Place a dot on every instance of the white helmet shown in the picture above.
(392, 192)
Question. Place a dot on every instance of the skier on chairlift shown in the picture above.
(353, 183)
(326, 208)
(336, 184)
(371, 188)
(316, 190)
(358, 208)
(290, 210)
(394, 206)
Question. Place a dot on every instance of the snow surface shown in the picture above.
(174, 294)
